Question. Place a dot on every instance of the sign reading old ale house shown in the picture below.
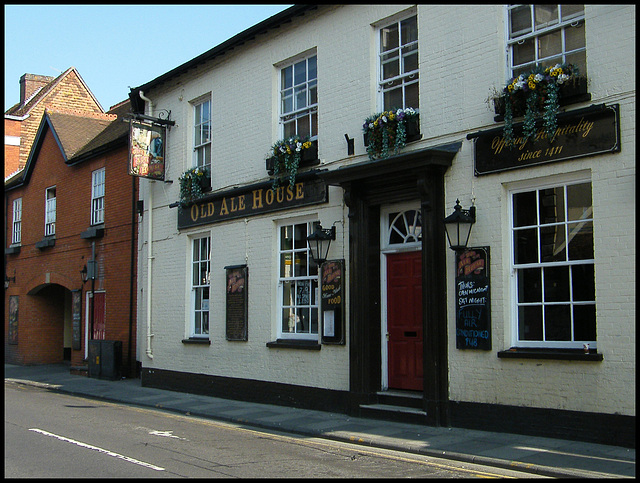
(584, 132)
(253, 200)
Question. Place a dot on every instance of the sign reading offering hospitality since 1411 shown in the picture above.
(585, 132)
(253, 200)
(473, 321)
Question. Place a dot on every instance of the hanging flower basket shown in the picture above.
(193, 183)
(389, 131)
(287, 156)
(536, 94)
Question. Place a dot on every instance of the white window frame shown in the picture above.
(16, 232)
(306, 105)
(287, 279)
(50, 211)
(202, 134)
(536, 33)
(537, 186)
(198, 288)
(405, 76)
(97, 196)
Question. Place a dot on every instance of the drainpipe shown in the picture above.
(150, 247)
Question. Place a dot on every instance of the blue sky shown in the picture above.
(115, 47)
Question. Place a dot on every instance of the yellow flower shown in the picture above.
(510, 87)
(532, 85)
(391, 116)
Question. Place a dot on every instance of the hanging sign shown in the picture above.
(585, 132)
(146, 150)
(332, 301)
(473, 321)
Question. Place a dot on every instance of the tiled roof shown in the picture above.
(75, 130)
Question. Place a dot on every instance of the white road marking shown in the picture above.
(100, 450)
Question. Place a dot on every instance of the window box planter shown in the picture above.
(193, 184)
(539, 94)
(387, 132)
(289, 156)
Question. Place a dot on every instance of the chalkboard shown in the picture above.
(237, 302)
(473, 318)
(332, 301)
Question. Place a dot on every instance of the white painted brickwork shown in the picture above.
(462, 61)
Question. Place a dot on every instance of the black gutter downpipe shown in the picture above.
(131, 368)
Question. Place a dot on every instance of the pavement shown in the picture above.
(536, 455)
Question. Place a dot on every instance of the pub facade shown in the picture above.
(363, 128)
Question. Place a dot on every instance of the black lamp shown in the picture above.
(458, 226)
(88, 272)
(320, 241)
(8, 279)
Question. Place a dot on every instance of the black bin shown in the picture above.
(105, 359)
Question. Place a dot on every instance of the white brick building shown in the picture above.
(558, 220)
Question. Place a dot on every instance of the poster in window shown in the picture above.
(473, 320)
(146, 150)
(332, 301)
(237, 302)
(13, 319)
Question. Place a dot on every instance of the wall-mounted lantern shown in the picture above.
(458, 226)
(8, 279)
(320, 241)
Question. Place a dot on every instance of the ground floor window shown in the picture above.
(553, 266)
(200, 286)
(297, 283)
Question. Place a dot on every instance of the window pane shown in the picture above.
(552, 205)
(313, 92)
(523, 53)
(579, 201)
(285, 265)
(409, 30)
(303, 128)
(314, 320)
(520, 20)
(300, 73)
(584, 322)
(287, 293)
(301, 97)
(570, 11)
(580, 241)
(287, 101)
(557, 322)
(556, 284)
(290, 128)
(287, 78)
(525, 246)
(579, 59)
(411, 96)
(390, 66)
(545, 15)
(300, 264)
(300, 240)
(312, 68)
(530, 323)
(549, 44)
(524, 209)
(574, 37)
(529, 285)
(553, 248)
(410, 58)
(389, 38)
(583, 283)
(393, 99)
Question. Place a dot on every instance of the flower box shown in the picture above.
(193, 184)
(387, 132)
(308, 158)
(288, 156)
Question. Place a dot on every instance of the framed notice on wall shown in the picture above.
(332, 301)
(473, 318)
(237, 302)
(76, 319)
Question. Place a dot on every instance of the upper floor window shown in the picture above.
(299, 98)
(202, 134)
(200, 286)
(16, 234)
(298, 284)
(399, 64)
(553, 266)
(97, 196)
(546, 35)
(50, 212)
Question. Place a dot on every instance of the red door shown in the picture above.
(99, 315)
(404, 320)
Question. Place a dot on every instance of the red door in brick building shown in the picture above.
(99, 315)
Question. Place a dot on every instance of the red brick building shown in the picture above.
(69, 214)
(37, 93)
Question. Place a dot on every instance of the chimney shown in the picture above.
(30, 83)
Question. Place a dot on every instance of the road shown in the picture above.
(53, 435)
